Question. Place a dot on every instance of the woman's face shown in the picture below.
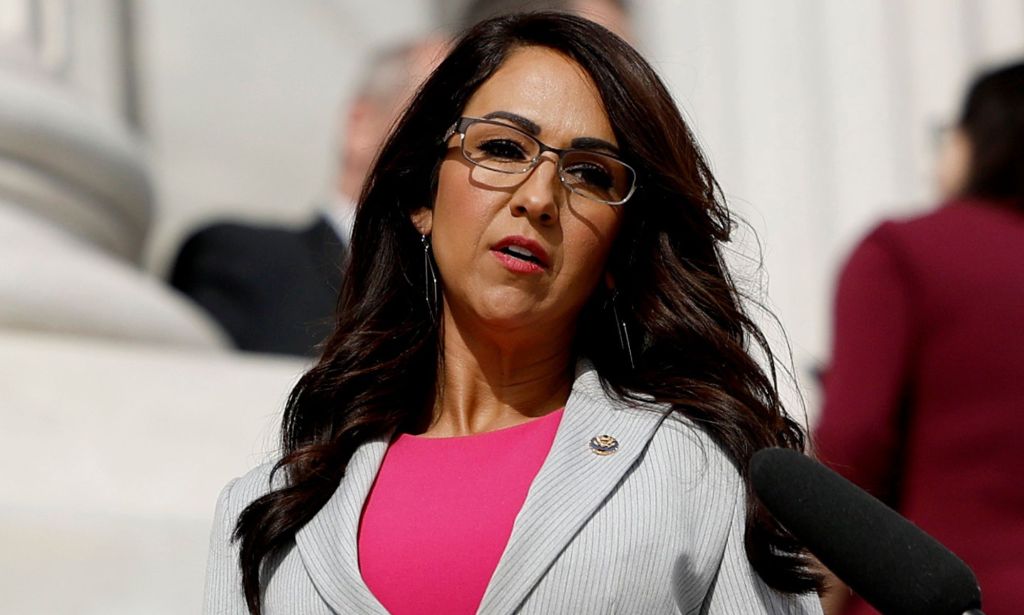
(477, 228)
(953, 164)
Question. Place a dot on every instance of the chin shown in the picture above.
(505, 308)
(506, 316)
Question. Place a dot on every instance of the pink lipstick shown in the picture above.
(521, 254)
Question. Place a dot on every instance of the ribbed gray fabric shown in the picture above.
(656, 527)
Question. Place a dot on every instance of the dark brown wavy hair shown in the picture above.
(693, 344)
(993, 120)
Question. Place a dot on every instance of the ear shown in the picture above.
(423, 220)
(609, 280)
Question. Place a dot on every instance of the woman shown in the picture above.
(538, 397)
(923, 398)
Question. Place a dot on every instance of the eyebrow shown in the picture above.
(528, 125)
(593, 143)
(534, 129)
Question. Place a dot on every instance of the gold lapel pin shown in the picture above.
(603, 445)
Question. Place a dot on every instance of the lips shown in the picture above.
(522, 249)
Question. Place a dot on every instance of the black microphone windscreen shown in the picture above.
(890, 562)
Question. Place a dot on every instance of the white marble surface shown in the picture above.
(113, 456)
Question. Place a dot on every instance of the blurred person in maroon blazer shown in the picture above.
(924, 398)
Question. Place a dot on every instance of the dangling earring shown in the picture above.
(622, 330)
(430, 290)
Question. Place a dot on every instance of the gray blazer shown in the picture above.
(655, 527)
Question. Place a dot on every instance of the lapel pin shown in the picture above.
(603, 445)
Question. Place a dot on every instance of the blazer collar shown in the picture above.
(571, 485)
(327, 544)
(568, 489)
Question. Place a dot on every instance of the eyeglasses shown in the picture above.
(496, 146)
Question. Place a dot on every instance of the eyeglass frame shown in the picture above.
(465, 122)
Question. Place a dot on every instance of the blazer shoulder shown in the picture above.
(679, 450)
(244, 490)
(223, 590)
(695, 459)
(249, 487)
(689, 436)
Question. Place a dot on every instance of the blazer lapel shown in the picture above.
(570, 486)
(328, 543)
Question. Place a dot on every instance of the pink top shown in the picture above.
(441, 511)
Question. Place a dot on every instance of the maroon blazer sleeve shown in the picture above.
(858, 433)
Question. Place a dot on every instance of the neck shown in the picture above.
(494, 380)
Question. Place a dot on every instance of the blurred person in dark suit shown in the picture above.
(273, 288)
(924, 399)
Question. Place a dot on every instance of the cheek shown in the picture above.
(459, 214)
(591, 241)
(587, 247)
(451, 188)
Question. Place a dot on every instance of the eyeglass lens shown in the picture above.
(507, 150)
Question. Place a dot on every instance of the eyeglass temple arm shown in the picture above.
(451, 131)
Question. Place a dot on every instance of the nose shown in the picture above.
(537, 197)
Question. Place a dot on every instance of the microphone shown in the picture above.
(889, 561)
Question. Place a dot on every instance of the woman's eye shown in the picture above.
(503, 148)
(591, 174)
